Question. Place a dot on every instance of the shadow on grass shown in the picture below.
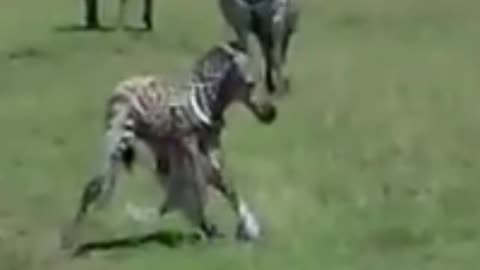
(82, 28)
(170, 239)
(136, 29)
(102, 29)
(26, 53)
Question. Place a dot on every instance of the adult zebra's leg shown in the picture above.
(148, 14)
(285, 42)
(121, 13)
(274, 44)
(265, 40)
(91, 14)
(283, 27)
(237, 15)
(272, 22)
(280, 40)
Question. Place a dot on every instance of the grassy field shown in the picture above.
(372, 164)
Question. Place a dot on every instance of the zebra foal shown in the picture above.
(272, 22)
(181, 129)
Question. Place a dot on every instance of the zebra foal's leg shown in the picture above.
(118, 149)
(186, 188)
(248, 227)
(203, 171)
(273, 42)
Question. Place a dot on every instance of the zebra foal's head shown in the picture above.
(227, 67)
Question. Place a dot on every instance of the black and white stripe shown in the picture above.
(181, 126)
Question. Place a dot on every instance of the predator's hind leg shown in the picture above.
(119, 152)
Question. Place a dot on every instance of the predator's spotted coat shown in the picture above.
(180, 124)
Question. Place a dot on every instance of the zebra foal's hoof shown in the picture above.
(248, 230)
(211, 232)
(244, 235)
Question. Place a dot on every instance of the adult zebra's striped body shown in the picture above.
(273, 22)
(181, 129)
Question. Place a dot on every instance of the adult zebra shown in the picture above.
(273, 22)
(181, 129)
(91, 14)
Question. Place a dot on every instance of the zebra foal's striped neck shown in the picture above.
(199, 104)
(212, 90)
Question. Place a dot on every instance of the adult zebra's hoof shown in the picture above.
(267, 113)
(284, 89)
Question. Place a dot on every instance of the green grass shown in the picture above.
(372, 164)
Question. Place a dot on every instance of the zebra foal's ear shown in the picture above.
(233, 49)
(239, 56)
(241, 60)
(237, 46)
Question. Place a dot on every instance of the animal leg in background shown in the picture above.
(122, 9)
(148, 14)
(238, 17)
(91, 14)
